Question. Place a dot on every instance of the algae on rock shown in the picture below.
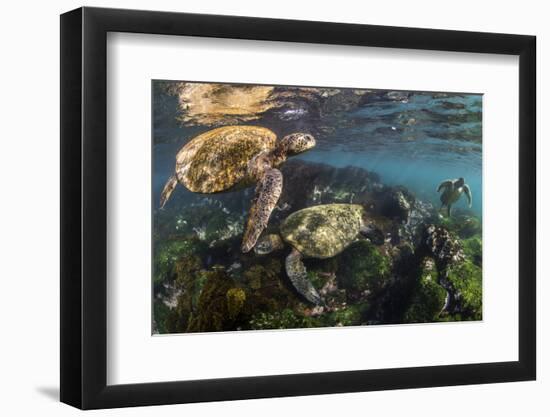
(428, 297)
(466, 281)
(363, 268)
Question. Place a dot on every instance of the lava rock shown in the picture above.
(443, 246)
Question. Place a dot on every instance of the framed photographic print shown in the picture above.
(257, 208)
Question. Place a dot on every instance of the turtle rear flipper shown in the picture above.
(444, 185)
(468, 194)
(167, 190)
(297, 273)
(268, 191)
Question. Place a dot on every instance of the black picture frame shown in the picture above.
(84, 207)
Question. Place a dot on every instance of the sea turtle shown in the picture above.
(319, 232)
(233, 157)
(452, 190)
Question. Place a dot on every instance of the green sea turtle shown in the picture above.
(233, 157)
(319, 232)
(452, 190)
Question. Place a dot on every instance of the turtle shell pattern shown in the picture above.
(217, 160)
(322, 231)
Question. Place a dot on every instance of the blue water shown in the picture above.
(417, 142)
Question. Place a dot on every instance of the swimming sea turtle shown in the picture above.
(452, 190)
(319, 232)
(232, 157)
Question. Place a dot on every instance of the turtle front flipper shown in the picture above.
(167, 190)
(268, 191)
(444, 185)
(297, 273)
(468, 194)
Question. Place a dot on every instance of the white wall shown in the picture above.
(29, 223)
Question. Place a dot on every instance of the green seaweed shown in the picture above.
(466, 280)
(218, 304)
(267, 289)
(160, 314)
(285, 319)
(165, 256)
(428, 296)
(235, 298)
(473, 249)
(464, 226)
(363, 268)
(349, 315)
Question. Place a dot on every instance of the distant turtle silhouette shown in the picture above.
(452, 190)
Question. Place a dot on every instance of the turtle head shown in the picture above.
(268, 244)
(296, 143)
(372, 233)
(460, 182)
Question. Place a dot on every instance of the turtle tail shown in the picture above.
(167, 190)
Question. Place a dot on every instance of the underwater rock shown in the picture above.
(428, 297)
(374, 233)
(322, 274)
(463, 224)
(363, 270)
(188, 283)
(347, 315)
(418, 290)
(266, 286)
(218, 305)
(389, 304)
(307, 184)
(210, 222)
(465, 281)
(397, 203)
(421, 213)
(285, 319)
(458, 273)
(160, 315)
(473, 249)
(443, 246)
(166, 255)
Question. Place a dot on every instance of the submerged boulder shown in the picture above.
(463, 224)
(465, 282)
(473, 249)
(285, 319)
(218, 305)
(439, 243)
(396, 204)
(428, 297)
(458, 272)
(363, 270)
